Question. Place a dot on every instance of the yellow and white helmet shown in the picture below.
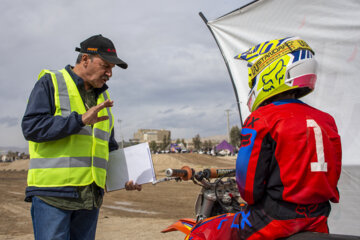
(278, 66)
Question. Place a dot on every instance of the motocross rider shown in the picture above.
(289, 162)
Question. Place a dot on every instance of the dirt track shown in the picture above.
(124, 215)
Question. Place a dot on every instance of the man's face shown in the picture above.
(98, 72)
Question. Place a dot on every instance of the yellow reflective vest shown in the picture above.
(76, 160)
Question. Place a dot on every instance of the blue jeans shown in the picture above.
(56, 224)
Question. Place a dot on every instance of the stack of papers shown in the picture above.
(130, 163)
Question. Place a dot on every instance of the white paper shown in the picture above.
(131, 163)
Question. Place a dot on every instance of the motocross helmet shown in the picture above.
(279, 66)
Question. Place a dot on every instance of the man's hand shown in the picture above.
(131, 186)
(91, 115)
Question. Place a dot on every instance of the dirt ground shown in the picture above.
(124, 215)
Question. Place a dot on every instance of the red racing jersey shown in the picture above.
(290, 152)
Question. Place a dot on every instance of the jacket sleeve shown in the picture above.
(252, 164)
(39, 123)
(113, 145)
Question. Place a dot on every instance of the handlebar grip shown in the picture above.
(185, 173)
(175, 172)
(217, 172)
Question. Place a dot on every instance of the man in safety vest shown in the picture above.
(70, 129)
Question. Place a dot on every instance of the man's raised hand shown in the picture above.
(91, 115)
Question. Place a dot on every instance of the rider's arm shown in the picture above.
(253, 159)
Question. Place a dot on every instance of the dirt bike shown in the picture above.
(218, 196)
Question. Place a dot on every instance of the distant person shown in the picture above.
(289, 162)
(70, 129)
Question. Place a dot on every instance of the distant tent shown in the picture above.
(174, 147)
(224, 145)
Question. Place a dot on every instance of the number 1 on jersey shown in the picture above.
(320, 165)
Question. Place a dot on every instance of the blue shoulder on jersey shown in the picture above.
(247, 143)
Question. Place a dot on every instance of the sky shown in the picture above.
(176, 79)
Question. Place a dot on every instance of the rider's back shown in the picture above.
(297, 152)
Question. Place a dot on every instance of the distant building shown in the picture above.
(148, 135)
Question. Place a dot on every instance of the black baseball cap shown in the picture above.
(104, 47)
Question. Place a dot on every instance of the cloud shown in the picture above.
(9, 121)
(176, 79)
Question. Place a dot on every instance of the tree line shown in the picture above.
(206, 145)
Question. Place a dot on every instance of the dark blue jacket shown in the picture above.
(40, 125)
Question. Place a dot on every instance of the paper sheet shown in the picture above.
(131, 163)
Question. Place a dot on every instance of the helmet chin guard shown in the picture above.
(279, 66)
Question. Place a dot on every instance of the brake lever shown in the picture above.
(165, 179)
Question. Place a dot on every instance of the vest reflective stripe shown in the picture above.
(98, 133)
(65, 162)
(78, 159)
(63, 95)
(86, 130)
(108, 111)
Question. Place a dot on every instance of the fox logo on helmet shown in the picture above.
(278, 66)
